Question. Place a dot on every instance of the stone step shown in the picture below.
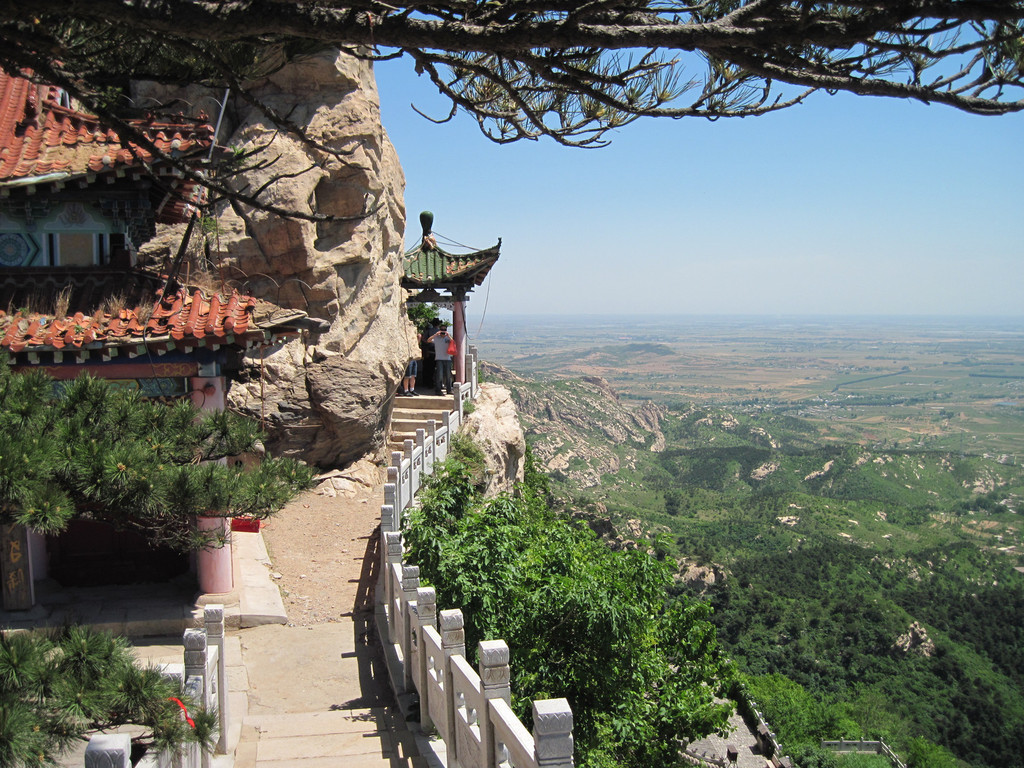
(398, 439)
(360, 738)
(407, 425)
(425, 402)
(421, 416)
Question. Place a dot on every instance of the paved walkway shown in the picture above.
(313, 695)
(741, 737)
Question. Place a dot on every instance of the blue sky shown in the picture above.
(844, 205)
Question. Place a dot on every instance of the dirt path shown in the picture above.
(325, 554)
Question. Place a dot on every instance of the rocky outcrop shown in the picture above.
(580, 430)
(350, 481)
(494, 427)
(322, 397)
(915, 640)
(699, 578)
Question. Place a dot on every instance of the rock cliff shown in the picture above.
(580, 430)
(324, 398)
(494, 427)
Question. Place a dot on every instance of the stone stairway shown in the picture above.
(355, 738)
(412, 413)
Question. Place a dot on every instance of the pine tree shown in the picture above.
(96, 451)
(56, 690)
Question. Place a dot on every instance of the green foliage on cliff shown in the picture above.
(830, 554)
(110, 454)
(640, 669)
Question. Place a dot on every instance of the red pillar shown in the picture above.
(208, 393)
(459, 321)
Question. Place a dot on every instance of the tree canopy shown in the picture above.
(640, 669)
(110, 454)
(567, 70)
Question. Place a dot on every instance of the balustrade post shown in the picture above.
(391, 493)
(457, 390)
(392, 556)
(448, 423)
(430, 441)
(495, 677)
(213, 618)
(387, 519)
(406, 474)
(453, 643)
(109, 750)
(388, 524)
(426, 616)
(410, 586)
(421, 448)
(194, 641)
(395, 481)
(552, 733)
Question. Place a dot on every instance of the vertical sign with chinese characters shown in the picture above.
(17, 575)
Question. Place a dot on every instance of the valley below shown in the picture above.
(845, 494)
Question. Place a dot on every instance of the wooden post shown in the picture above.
(459, 323)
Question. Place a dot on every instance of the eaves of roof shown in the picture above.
(427, 267)
(184, 318)
(40, 136)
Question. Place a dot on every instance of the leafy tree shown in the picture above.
(639, 669)
(921, 753)
(56, 690)
(110, 454)
(422, 314)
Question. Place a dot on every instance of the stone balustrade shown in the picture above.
(204, 671)
(425, 648)
(865, 746)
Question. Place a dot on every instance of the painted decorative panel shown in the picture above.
(17, 249)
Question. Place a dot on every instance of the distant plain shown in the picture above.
(936, 383)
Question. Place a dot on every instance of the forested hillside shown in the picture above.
(863, 591)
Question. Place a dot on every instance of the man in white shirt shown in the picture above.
(442, 360)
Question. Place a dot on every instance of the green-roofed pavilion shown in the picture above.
(431, 272)
(428, 266)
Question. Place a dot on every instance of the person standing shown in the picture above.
(409, 380)
(427, 349)
(442, 360)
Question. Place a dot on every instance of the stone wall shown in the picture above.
(324, 398)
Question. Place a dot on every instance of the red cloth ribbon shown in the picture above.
(184, 709)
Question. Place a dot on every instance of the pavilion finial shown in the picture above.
(427, 221)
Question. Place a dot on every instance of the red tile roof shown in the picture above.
(184, 318)
(39, 136)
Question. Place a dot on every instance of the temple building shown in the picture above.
(76, 204)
